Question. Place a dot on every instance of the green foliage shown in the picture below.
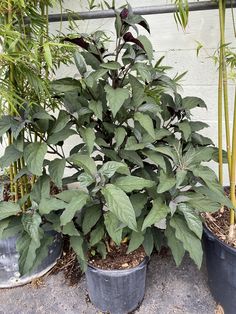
(137, 158)
(140, 157)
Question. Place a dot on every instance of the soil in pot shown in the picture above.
(117, 283)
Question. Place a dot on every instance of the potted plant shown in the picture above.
(27, 57)
(219, 235)
(138, 164)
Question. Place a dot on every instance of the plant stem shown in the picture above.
(233, 164)
(225, 85)
(220, 120)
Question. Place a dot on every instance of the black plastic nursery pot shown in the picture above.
(221, 268)
(9, 269)
(117, 291)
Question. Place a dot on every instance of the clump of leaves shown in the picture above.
(137, 155)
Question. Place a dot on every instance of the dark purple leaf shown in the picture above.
(78, 41)
(124, 13)
(128, 37)
(145, 25)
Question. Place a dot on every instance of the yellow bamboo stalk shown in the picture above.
(220, 120)
(225, 81)
(233, 164)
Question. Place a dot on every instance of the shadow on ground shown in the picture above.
(170, 290)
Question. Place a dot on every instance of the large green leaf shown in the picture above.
(91, 217)
(111, 167)
(132, 157)
(131, 183)
(120, 134)
(5, 124)
(13, 229)
(157, 158)
(96, 107)
(67, 195)
(27, 248)
(3, 225)
(175, 245)
(112, 227)
(43, 251)
(89, 137)
(166, 182)
(144, 71)
(138, 201)
(168, 151)
(61, 121)
(193, 220)
(203, 204)
(80, 63)
(10, 155)
(47, 205)
(132, 144)
(34, 154)
(192, 102)
(147, 46)
(56, 170)
(116, 98)
(85, 179)
(8, 209)
(146, 122)
(66, 85)
(198, 125)
(28, 244)
(148, 242)
(180, 176)
(119, 203)
(136, 240)
(97, 234)
(190, 241)
(70, 229)
(60, 136)
(85, 162)
(31, 224)
(185, 128)
(137, 91)
(77, 245)
(158, 212)
(111, 65)
(75, 205)
(41, 189)
(218, 197)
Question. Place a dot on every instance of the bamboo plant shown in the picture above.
(27, 57)
(226, 58)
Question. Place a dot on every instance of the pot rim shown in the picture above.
(212, 236)
(120, 271)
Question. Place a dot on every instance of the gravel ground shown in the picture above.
(170, 290)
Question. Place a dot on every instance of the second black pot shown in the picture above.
(117, 291)
(221, 268)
